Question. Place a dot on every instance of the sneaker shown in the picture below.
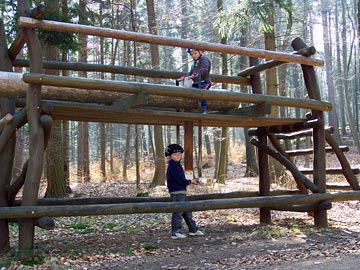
(178, 235)
(197, 233)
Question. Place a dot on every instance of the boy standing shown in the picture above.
(177, 184)
(200, 72)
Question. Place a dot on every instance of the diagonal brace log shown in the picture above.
(289, 165)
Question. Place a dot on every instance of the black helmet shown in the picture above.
(189, 50)
(173, 148)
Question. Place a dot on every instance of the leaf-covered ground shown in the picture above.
(233, 238)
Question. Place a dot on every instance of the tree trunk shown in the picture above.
(159, 175)
(333, 119)
(346, 79)
(276, 170)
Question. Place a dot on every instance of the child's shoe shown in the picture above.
(197, 233)
(178, 235)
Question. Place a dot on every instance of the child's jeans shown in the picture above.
(176, 218)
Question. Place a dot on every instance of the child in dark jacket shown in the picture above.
(200, 73)
(177, 184)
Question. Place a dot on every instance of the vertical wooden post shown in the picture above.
(188, 147)
(319, 163)
(264, 175)
(200, 149)
(36, 140)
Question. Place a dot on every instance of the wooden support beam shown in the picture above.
(143, 72)
(309, 151)
(300, 134)
(17, 45)
(133, 101)
(252, 111)
(346, 168)
(189, 148)
(289, 165)
(324, 205)
(5, 120)
(169, 207)
(172, 91)
(162, 40)
(284, 129)
(120, 200)
(276, 144)
(274, 63)
(331, 171)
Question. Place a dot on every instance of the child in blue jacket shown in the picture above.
(177, 184)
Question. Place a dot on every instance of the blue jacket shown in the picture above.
(175, 177)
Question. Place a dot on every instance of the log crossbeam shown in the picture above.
(161, 40)
(169, 207)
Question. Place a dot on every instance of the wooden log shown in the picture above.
(17, 184)
(284, 128)
(274, 63)
(252, 111)
(151, 73)
(338, 187)
(167, 207)
(346, 168)
(12, 86)
(319, 162)
(18, 120)
(189, 146)
(109, 114)
(120, 200)
(263, 163)
(6, 119)
(290, 166)
(309, 151)
(172, 91)
(17, 45)
(161, 40)
(36, 142)
(276, 144)
(324, 205)
(332, 171)
(300, 134)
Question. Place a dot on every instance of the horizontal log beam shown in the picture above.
(164, 207)
(300, 134)
(162, 40)
(331, 171)
(324, 205)
(283, 129)
(110, 114)
(118, 200)
(12, 86)
(172, 91)
(151, 73)
(309, 151)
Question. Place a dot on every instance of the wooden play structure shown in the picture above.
(50, 97)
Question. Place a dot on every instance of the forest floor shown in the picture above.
(233, 238)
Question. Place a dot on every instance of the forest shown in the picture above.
(98, 161)
(124, 152)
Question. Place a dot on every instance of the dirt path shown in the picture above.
(236, 247)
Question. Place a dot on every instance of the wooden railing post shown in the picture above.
(263, 162)
(319, 163)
